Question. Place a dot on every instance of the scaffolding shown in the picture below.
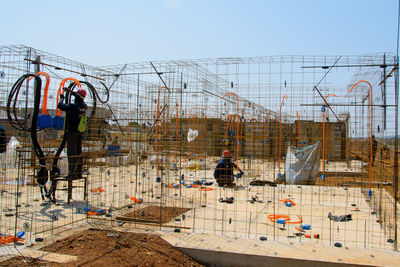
(160, 128)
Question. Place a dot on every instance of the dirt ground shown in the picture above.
(112, 248)
(155, 214)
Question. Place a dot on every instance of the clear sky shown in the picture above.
(104, 32)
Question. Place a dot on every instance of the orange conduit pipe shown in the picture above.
(276, 136)
(204, 126)
(323, 137)
(190, 118)
(176, 131)
(237, 127)
(280, 133)
(58, 112)
(371, 129)
(252, 135)
(287, 200)
(265, 132)
(230, 124)
(9, 239)
(298, 128)
(156, 124)
(275, 217)
(46, 90)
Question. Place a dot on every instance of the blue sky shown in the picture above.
(99, 32)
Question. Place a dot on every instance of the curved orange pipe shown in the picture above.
(252, 135)
(46, 89)
(176, 130)
(372, 120)
(58, 112)
(190, 118)
(237, 127)
(265, 130)
(156, 124)
(323, 136)
(298, 128)
(275, 217)
(287, 200)
(280, 133)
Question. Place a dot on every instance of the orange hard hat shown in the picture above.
(227, 154)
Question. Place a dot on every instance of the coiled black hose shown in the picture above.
(21, 125)
(42, 175)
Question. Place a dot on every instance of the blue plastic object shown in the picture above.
(306, 227)
(231, 132)
(370, 193)
(322, 176)
(57, 122)
(86, 209)
(188, 186)
(279, 175)
(323, 109)
(20, 234)
(44, 121)
(281, 221)
(100, 211)
(158, 179)
(288, 204)
(174, 165)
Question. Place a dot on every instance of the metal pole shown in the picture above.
(396, 150)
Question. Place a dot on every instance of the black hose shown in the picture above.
(12, 100)
(42, 175)
(107, 93)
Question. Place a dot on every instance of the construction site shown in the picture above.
(313, 141)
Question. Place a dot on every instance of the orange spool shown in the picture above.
(98, 190)
(276, 217)
(287, 200)
(206, 189)
(9, 239)
(137, 200)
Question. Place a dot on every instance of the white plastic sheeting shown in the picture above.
(302, 165)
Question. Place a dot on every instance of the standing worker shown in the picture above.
(74, 115)
(224, 170)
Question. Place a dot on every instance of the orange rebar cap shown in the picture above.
(227, 154)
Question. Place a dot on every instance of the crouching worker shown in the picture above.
(74, 112)
(224, 170)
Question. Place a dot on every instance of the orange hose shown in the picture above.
(9, 239)
(98, 190)
(323, 137)
(156, 123)
(298, 128)
(137, 200)
(372, 118)
(58, 112)
(275, 217)
(287, 200)
(237, 127)
(280, 132)
(205, 189)
(176, 131)
(252, 135)
(46, 89)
